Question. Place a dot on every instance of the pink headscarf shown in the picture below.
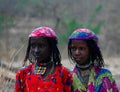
(43, 32)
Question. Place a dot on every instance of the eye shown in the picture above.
(41, 45)
(82, 48)
(32, 45)
(73, 48)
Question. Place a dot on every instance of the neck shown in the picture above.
(84, 67)
(44, 64)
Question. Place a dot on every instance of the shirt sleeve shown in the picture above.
(67, 80)
(18, 82)
(105, 81)
(109, 85)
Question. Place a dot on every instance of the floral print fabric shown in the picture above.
(100, 80)
(59, 81)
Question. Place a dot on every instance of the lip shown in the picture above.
(77, 58)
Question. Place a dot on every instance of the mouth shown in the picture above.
(77, 58)
(36, 55)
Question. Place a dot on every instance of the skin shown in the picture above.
(80, 52)
(40, 49)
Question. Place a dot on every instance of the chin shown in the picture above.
(79, 62)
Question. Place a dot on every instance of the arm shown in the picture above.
(20, 80)
(18, 83)
(105, 81)
(109, 85)
(67, 80)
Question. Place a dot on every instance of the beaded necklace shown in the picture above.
(84, 77)
(41, 69)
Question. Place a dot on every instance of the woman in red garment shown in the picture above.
(45, 73)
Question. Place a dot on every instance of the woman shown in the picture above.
(45, 72)
(88, 73)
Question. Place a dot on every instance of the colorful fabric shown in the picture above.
(83, 34)
(43, 32)
(59, 81)
(100, 80)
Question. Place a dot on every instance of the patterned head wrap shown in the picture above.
(83, 34)
(43, 32)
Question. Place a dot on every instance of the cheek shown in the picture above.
(31, 51)
(86, 54)
(48, 52)
(72, 52)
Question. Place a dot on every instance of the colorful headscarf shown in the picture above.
(83, 34)
(43, 32)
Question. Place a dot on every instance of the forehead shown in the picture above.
(38, 39)
(78, 42)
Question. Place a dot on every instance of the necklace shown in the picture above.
(84, 66)
(83, 75)
(42, 68)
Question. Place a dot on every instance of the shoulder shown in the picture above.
(105, 70)
(24, 70)
(104, 73)
(65, 71)
(63, 68)
(66, 75)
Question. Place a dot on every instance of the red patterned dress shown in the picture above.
(27, 81)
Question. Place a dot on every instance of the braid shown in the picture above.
(27, 52)
(55, 51)
(95, 53)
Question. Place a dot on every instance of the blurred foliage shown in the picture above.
(71, 24)
(6, 22)
(36, 7)
(97, 27)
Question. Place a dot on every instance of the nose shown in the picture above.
(77, 52)
(36, 52)
(36, 49)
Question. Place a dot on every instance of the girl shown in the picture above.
(45, 72)
(88, 73)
